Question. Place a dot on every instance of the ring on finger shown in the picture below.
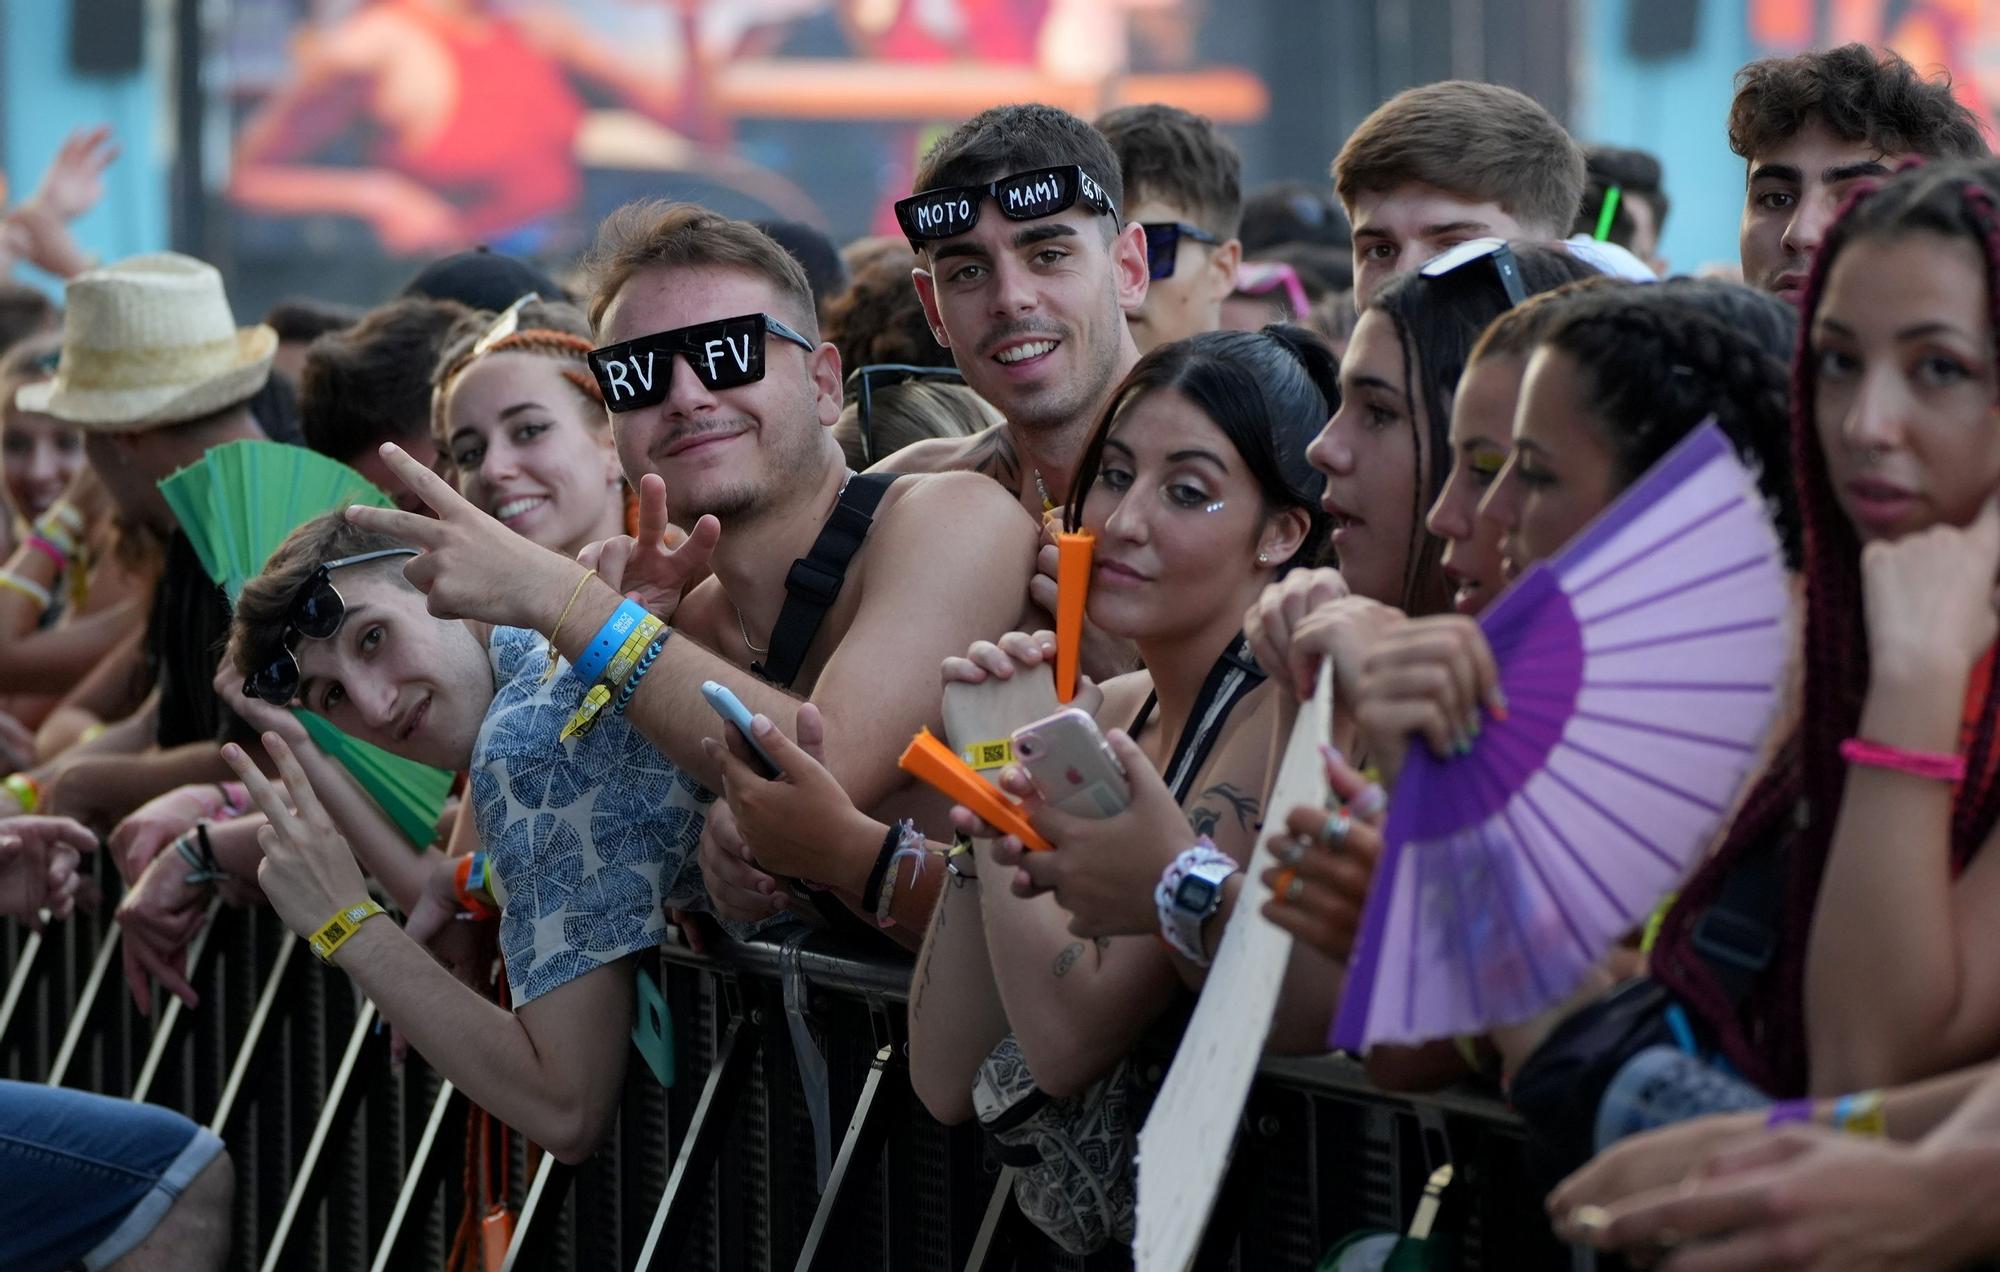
(1289, 850)
(1295, 891)
(1338, 826)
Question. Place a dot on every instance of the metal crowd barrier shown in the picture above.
(346, 1161)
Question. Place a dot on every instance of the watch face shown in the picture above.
(1194, 895)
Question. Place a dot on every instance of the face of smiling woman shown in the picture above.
(531, 449)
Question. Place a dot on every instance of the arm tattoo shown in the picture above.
(1067, 959)
(1205, 816)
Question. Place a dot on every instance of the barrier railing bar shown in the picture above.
(253, 1035)
(419, 1177)
(339, 1106)
(540, 1213)
(863, 1138)
(170, 1015)
(702, 1145)
(85, 1006)
(17, 984)
(997, 1208)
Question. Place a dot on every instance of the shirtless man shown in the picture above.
(1033, 309)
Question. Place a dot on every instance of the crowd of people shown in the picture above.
(1311, 436)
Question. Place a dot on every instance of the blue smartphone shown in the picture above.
(731, 709)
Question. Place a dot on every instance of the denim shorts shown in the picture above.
(85, 1178)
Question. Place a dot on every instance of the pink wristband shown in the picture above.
(1942, 768)
(49, 550)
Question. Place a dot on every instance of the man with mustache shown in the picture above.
(722, 402)
(1809, 127)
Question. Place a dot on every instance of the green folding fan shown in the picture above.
(236, 505)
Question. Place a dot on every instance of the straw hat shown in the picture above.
(147, 342)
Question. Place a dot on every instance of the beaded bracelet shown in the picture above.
(639, 671)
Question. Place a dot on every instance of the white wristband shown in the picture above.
(1189, 893)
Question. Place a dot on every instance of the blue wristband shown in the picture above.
(608, 640)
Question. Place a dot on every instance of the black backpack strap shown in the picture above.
(1737, 936)
(814, 583)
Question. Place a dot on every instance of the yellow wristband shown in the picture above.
(586, 715)
(629, 653)
(981, 756)
(341, 926)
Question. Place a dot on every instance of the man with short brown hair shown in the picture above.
(1435, 166)
(1809, 127)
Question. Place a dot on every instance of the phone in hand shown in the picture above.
(1071, 764)
(731, 709)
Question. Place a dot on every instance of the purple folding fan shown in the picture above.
(1642, 667)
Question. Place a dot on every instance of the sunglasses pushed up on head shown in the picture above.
(949, 211)
(316, 612)
(724, 354)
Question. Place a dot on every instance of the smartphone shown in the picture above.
(731, 709)
(1071, 764)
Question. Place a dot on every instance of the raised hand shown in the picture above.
(652, 568)
(74, 179)
(308, 871)
(470, 565)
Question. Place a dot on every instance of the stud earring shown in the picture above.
(1263, 558)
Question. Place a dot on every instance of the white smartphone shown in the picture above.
(731, 708)
(1071, 764)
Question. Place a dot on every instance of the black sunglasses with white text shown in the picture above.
(725, 354)
(949, 211)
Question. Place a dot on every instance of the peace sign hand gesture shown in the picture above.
(308, 871)
(470, 565)
(650, 569)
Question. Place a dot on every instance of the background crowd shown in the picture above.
(1314, 431)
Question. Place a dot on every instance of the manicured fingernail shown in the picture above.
(1331, 753)
(1472, 729)
(1497, 704)
(760, 724)
(1462, 744)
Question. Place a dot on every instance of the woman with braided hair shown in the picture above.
(521, 424)
(1884, 881)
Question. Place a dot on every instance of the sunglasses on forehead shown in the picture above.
(1163, 245)
(1481, 257)
(1026, 196)
(723, 355)
(316, 612)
